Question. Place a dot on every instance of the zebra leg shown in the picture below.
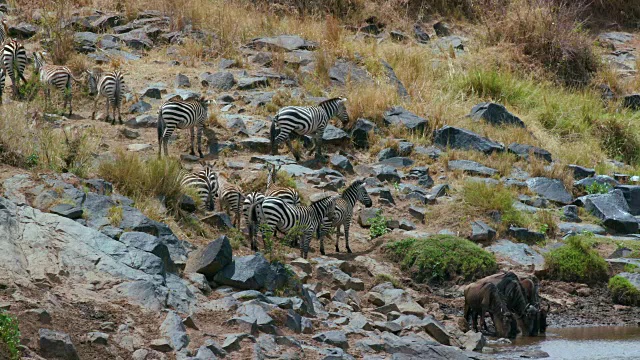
(119, 115)
(338, 238)
(193, 134)
(290, 146)
(347, 225)
(165, 145)
(95, 105)
(200, 130)
(70, 99)
(318, 141)
(304, 244)
(321, 238)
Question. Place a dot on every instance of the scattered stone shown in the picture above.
(210, 259)
(334, 135)
(140, 107)
(524, 151)
(420, 35)
(550, 189)
(573, 228)
(137, 39)
(442, 29)
(257, 144)
(613, 210)
(219, 220)
(232, 341)
(474, 341)
(580, 172)
(570, 214)
(419, 213)
(471, 168)
(41, 315)
(67, 210)
(182, 81)
(246, 272)
(361, 132)
(632, 102)
(130, 134)
(631, 193)
(282, 42)
(161, 345)
(400, 116)
(173, 329)
(23, 30)
(481, 232)
(218, 81)
(495, 114)
(248, 83)
(138, 147)
(457, 138)
(525, 235)
(534, 354)
(98, 338)
(333, 337)
(397, 35)
(518, 253)
(345, 71)
(55, 344)
(215, 348)
(599, 179)
(341, 162)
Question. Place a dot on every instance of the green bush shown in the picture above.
(597, 188)
(623, 292)
(378, 225)
(486, 197)
(575, 261)
(441, 258)
(9, 335)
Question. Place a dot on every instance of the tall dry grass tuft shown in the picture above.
(60, 36)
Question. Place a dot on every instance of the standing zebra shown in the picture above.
(14, 60)
(57, 76)
(109, 85)
(2, 77)
(231, 200)
(205, 182)
(250, 200)
(276, 214)
(344, 211)
(181, 114)
(288, 194)
(306, 120)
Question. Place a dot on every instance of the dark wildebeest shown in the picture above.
(515, 297)
(480, 298)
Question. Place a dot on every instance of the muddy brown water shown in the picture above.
(600, 342)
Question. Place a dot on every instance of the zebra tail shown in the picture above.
(161, 126)
(273, 133)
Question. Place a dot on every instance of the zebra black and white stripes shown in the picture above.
(56, 76)
(231, 201)
(109, 85)
(206, 184)
(306, 120)
(250, 200)
(181, 114)
(2, 78)
(4, 31)
(288, 194)
(276, 214)
(344, 211)
(14, 60)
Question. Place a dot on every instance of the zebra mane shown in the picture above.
(332, 100)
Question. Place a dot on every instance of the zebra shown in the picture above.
(231, 200)
(250, 200)
(205, 182)
(14, 60)
(344, 211)
(57, 76)
(181, 114)
(288, 194)
(4, 31)
(306, 120)
(277, 214)
(2, 77)
(110, 85)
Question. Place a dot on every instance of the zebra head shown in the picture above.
(92, 81)
(38, 61)
(363, 195)
(342, 112)
(336, 107)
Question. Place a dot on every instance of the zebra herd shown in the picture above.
(278, 209)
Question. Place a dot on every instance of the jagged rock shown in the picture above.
(219, 220)
(600, 179)
(570, 214)
(431, 151)
(338, 278)
(85, 42)
(232, 341)
(218, 81)
(613, 210)
(345, 71)
(108, 42)
(257, 144)
(471, 167)
(161, 345)
(550, 189)
(573, 228)
(215, 348)
(173, 329)
(139, 107)
(40, 315)
(97, 338)
(420, 35)
(403, 301)
(393, 78)
(457, 138)
(137, 39)
(211, 259)
(387, 173)
(333, 337)
(534, 354)
(248, 83)
(481, 231)
(67, 210)
(23, 30)
(632, 195)
(138, 147)
(419, 213)
(520, 254)
(341, 162)
(525, 235)
(397, 35)
(182, 81)
(495, 114)
(615, 38)
(442, 28)
(451, 42)
(334, 135)
(524, 151)
(204, 353)
(282, 42)
(632, 102)
(366, 215)
(55, 344)
(361, 132)
(246, 272)
(154, 91)
(474, 341)
(400, 116)
(130, 134)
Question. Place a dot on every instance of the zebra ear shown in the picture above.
(343, 99)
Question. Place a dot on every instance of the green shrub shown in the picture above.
(486, 197)
(575, 261)
(442, 258)
(597, 188)
(378, 225)
(630, 268)
(9, 335)
(623, 292)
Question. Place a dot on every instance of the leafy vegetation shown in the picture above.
(576, 261)
(378, 225)
(115, 215)
(623, 292)
(597, 188)
(9, 335)
(442, 258)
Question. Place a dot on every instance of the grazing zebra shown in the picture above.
(289, 195)
(231, 200)
(57, 76)
(306, 120)
(109, 85)
(344, 211)
(205, 182)
(276, 214)
(14, 60)
(250, 200)
(181, 114)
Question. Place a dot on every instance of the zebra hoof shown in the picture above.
(322, 252)
(337, 249)
(349, 250)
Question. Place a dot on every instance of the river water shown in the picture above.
(597, 343)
